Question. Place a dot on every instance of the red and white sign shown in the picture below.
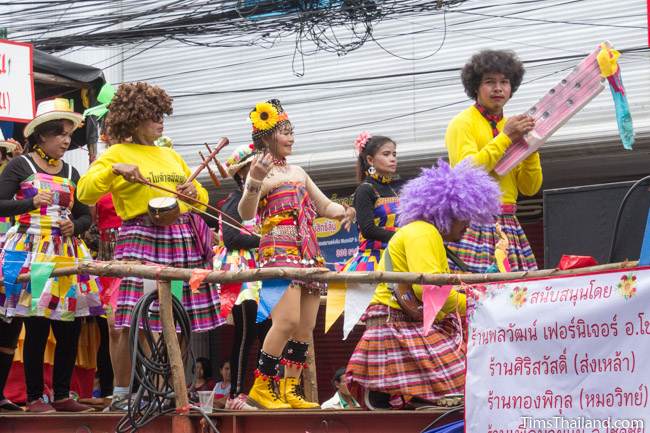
(560, 354)
(16, 81)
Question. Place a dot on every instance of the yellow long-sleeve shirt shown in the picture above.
(469, 134)
(159, 165)
(417, 247)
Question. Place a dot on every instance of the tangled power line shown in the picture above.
(337, 26)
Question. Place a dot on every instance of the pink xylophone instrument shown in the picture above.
(556, 107)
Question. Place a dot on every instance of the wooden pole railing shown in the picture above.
(162, 273)
(165, 274)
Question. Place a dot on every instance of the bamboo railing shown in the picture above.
(162, 273)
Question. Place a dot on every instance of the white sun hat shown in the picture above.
(53, 109)
(6, 144)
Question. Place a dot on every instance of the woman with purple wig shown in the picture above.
(396, 362)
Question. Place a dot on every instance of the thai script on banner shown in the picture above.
(544, 354)
(16, 81)
(336, 244)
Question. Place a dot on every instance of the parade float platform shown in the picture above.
(616, 293)
(303, 421)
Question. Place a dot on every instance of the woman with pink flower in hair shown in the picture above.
(397, 362)
(375, 199)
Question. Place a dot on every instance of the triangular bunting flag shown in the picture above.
(335, 302)
(13, 263)
(227, 297)
(270, 294)
(60, 261)
(198, 275)
(177, 289)
(433, 298)
(109, 291)
(357, 298)
(39, 273)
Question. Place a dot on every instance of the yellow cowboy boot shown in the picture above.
(264, 394)
(292, 393)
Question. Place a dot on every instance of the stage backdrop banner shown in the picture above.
(560, 354)
(336, 244)
(16, 81)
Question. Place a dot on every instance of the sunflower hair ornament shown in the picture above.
(266, 117)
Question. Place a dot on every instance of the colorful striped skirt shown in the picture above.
(174, 246)
(232, 294)
(363, 261)
(281, 246)
(476, 248)
(395, 357)
(62, 298)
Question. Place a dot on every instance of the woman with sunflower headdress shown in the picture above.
(287, 201)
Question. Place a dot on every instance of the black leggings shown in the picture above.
(104, 366)
(37, 329)
(9, 333)
(246, 329)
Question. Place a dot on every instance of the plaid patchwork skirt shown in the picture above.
(395, 357)
(174, 246)
(476, 248)
(62, 298)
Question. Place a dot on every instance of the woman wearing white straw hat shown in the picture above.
(38, 189)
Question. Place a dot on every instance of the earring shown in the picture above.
(371, 170)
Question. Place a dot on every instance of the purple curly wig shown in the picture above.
(440, 195)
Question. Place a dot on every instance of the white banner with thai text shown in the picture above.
(16, 81)
(566, 354)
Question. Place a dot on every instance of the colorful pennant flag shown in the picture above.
(177, 289)
(335, 302)
(39, 274)
(433, 298)
(228, 294)
(198, 275)
(270, 294)
(13, 263)
(357, 298)
(109, 291)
